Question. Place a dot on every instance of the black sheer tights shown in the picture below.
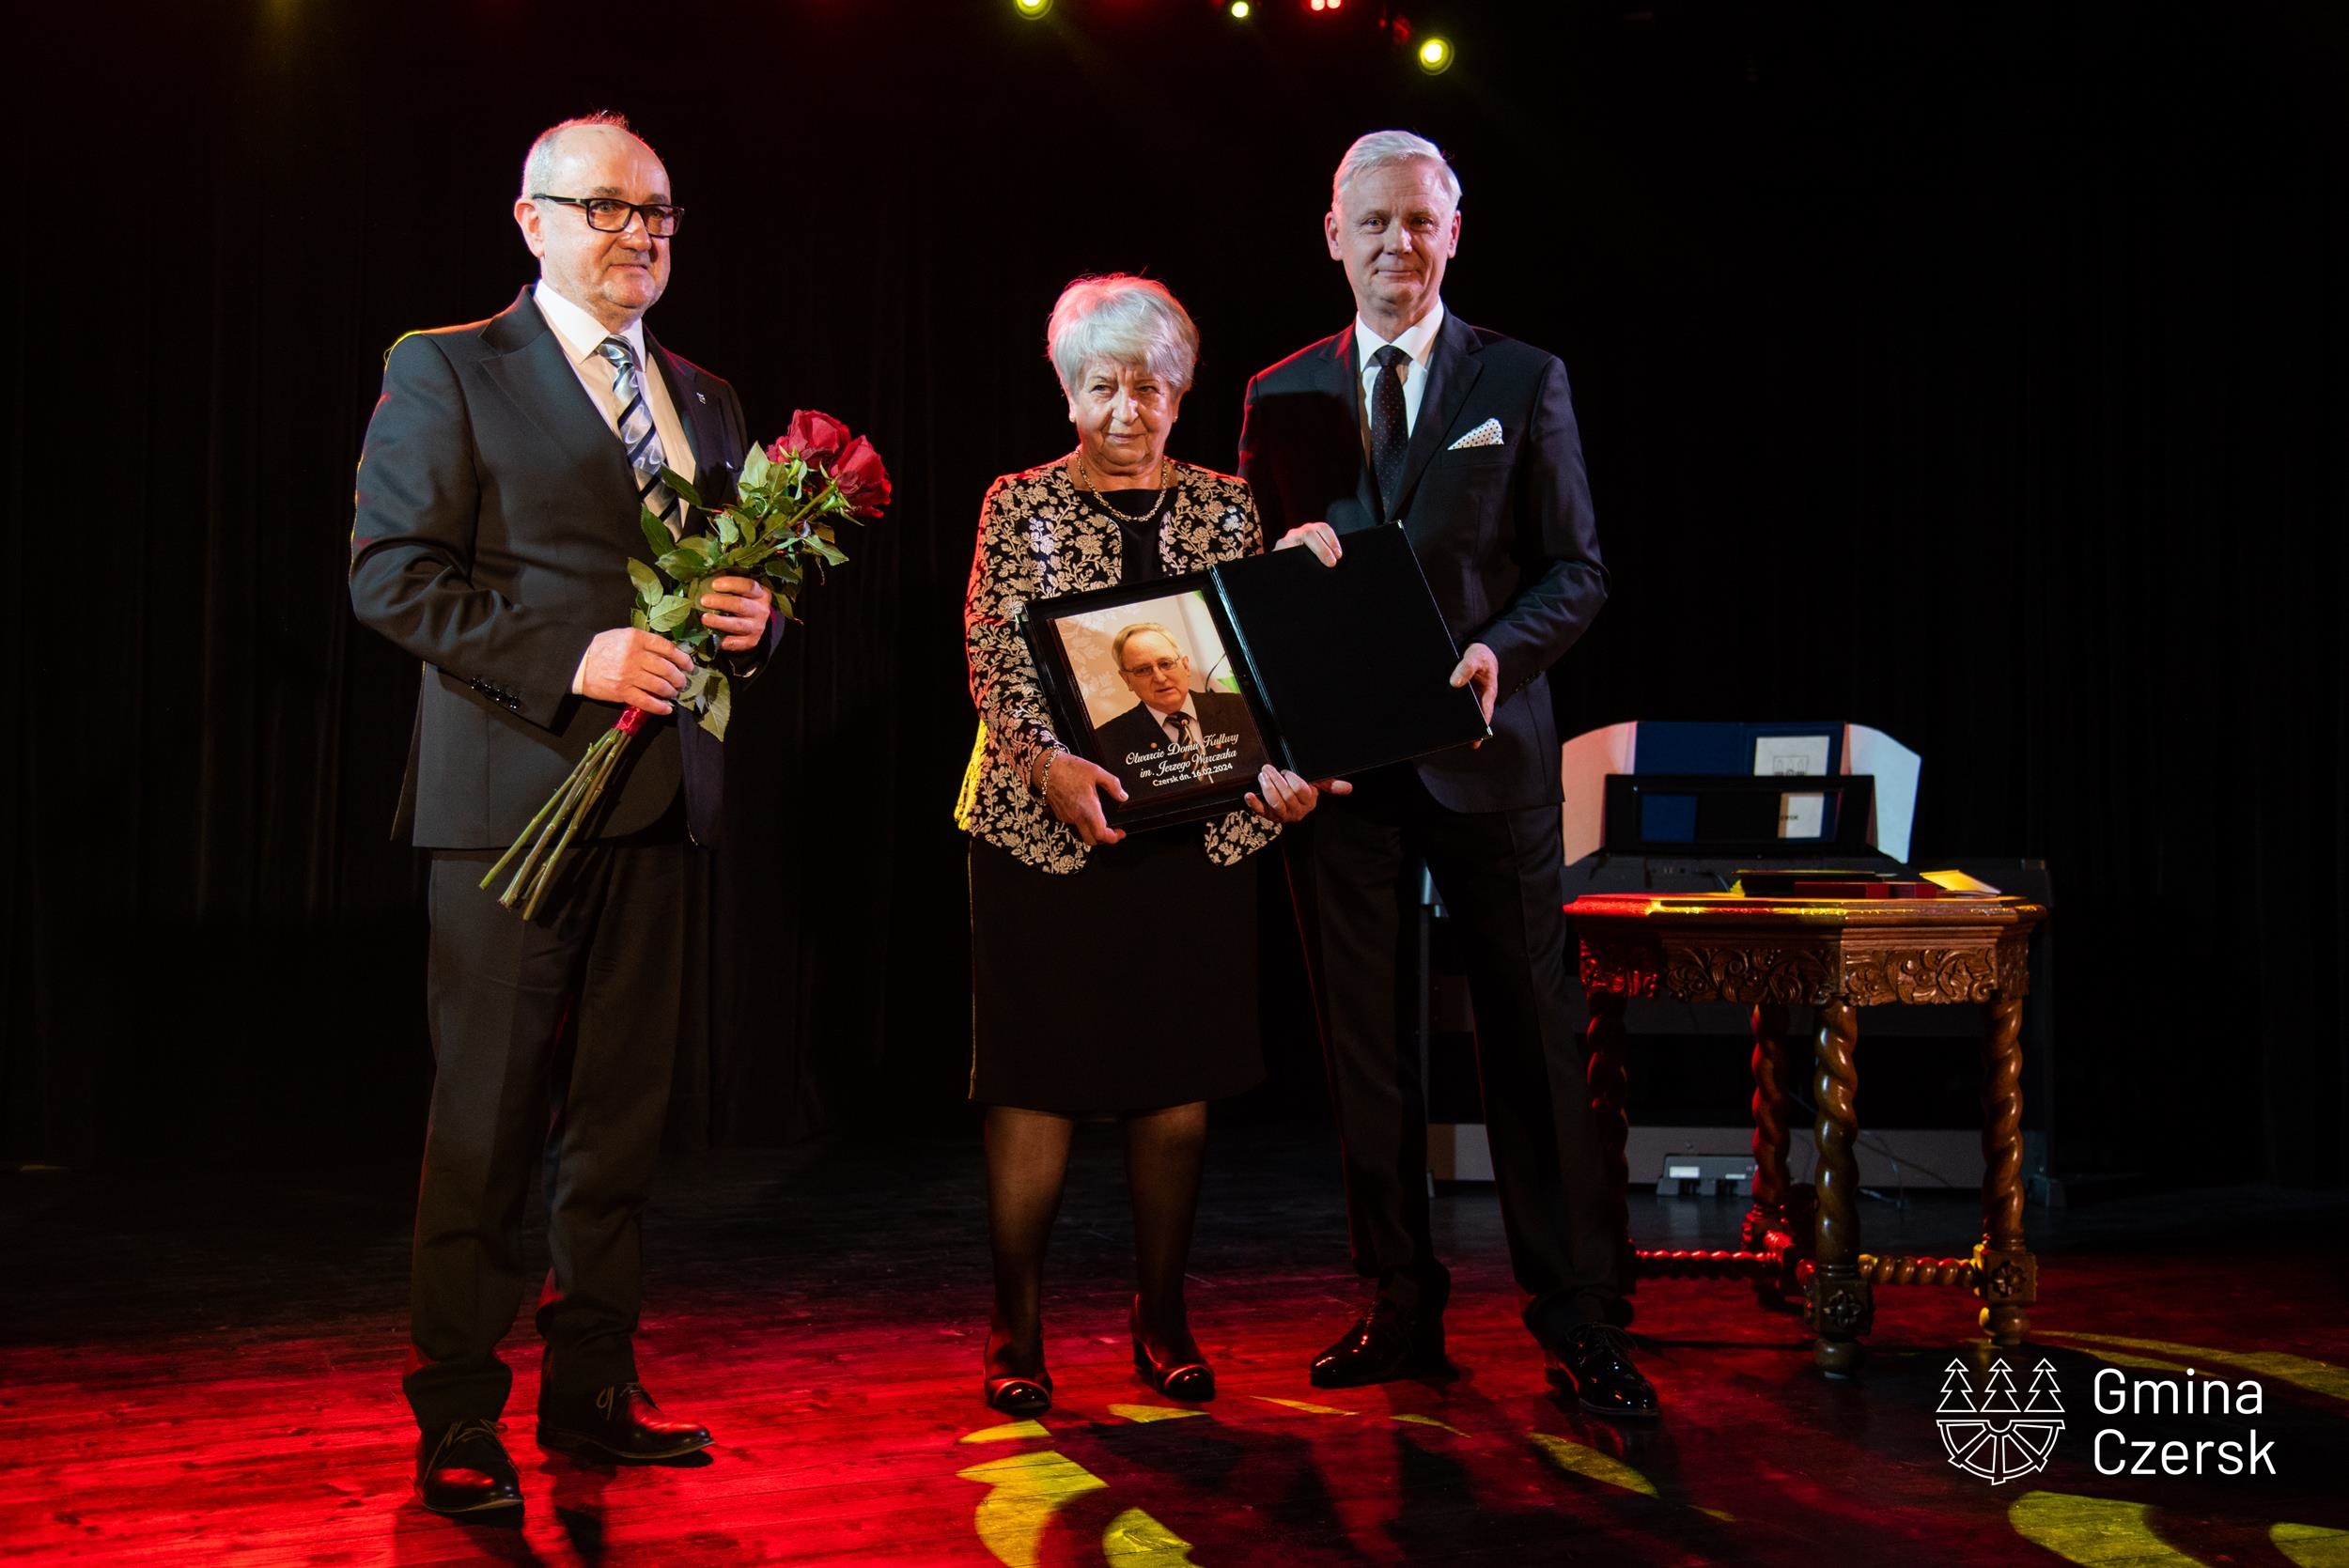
(1027, 1163)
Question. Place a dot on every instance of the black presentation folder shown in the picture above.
(1342, 669)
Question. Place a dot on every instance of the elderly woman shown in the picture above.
(1114, 974)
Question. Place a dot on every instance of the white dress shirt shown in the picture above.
(581, 336)
(1417, 340)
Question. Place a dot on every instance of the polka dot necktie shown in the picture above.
(1388, 432)
(638, 435)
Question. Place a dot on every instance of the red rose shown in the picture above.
(861, 478)
(817, 437)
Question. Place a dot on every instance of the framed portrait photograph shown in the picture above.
(1185, 687)
(1144, 684)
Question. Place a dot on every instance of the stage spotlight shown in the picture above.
(1031, 8)
(1325, 5)
(1435, 55)
(1239, 10)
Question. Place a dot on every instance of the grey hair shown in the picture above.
(1134, 321)
(1117, 644)
(539, 162)
(1382, 147)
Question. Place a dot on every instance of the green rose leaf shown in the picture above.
(728, 530)
(647, 581)
(656, 533)
(680, 485)
(670, 613)
(640, 620)
(754, 469)
(690, 558)
(720, 704)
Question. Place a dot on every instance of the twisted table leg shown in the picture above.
(2007, 1274)
(1604, 1040)
(1840, 1308)
(1768, 1212)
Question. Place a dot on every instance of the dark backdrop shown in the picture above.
(1970, 371)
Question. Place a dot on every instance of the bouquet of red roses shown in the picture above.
(792, 495)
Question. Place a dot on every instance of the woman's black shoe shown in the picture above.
(1187, 1377)
(1013, 1387)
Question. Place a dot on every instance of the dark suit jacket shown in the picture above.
(1504, 533)
(496, 514)
(1138, 731)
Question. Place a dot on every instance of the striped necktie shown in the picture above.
(1181, 721)
(638, 435)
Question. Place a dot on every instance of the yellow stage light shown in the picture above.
(1031, 8)
(1435, 57)
(1239, 10)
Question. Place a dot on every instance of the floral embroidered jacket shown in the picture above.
(1040, 538)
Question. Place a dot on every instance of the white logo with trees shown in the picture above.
(1992, 1435)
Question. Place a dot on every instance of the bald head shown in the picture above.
(613, 275)
(541, 163)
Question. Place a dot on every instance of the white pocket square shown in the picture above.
(1487, 434)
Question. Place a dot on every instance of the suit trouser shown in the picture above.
(551, 1040)
(1354, 870)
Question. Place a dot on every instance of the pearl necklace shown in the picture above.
(1083, 479)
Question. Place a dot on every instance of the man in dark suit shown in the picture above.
(1173, 737)
(1467, 440)
(498, 502)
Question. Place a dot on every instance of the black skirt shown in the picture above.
(1130, 985)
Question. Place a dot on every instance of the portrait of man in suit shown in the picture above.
(499, 498)
(1466, 441)
(1176, 735)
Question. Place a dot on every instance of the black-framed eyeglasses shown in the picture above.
(611, 216)
(1156, 667)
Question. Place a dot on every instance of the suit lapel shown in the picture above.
(533, 369)
(715, 468)
(1452, 371)
(1337, 378)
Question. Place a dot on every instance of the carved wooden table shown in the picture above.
(1833, 955)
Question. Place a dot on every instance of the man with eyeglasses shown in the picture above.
(499, 499)
(1173, 737)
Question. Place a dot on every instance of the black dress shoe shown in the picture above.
(1386, 1343)
(1014, 1385)
(463, 1468)
(1593, 1365)
(1182, 1374)
(621, 1424)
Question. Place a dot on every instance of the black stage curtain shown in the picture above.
(1975, 372)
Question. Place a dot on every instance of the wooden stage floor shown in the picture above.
(205, 1370)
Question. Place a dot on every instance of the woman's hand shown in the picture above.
(1287, 797)
(1073, 790)
(1319, 538)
